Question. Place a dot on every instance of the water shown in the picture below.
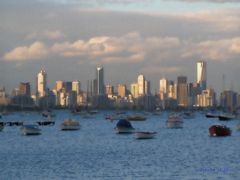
(97, 152)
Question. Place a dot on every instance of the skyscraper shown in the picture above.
(141, 85)
(163, 87)
(76, 86)
(100, 81)
(202, 74)
(121, 88)
(182, 91)
(41, 84)
(24, 89)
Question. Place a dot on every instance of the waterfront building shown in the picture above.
(41, 83)
(24, 89)
(109, 89)
(141, 85)
(147, 87)
(99, 81)
(121, 90)
(163, 88)
(182, 91)
(68, 86)
(207, 98)
(4, 100)
(202, 74)
(228, 100)
(59, 85)
(172, 90)
(134, 90)
(76, 87)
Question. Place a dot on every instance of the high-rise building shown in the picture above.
(59, 85)
(182, 91)
(100, 81)
(109, 89)
(163, 88)
(24, 89)
(147, 87)
(68, 86)
(134, 90)
(121, 88)
(172, 90)
(41, 84)
(202, 74)
(76, 87)
(141, 85)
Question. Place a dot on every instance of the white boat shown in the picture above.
(124, 127)
(70, 124)
(145, 135)
(174, 121)
(30, 129)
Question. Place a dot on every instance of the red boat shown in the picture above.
(219, 130)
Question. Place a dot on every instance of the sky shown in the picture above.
(157, 38)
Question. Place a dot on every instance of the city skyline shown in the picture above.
(160, 39)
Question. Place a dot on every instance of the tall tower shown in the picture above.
(202, 74)
(100, 81)
(163, 87)
(41, 83)
(141, 85)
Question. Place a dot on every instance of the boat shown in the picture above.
(124, 126)
(145, 135)
(30, 129)
(45, 123)
(2, 126)
(211, 115)
(136, 118)
(174, 121)
(219, 130)
(226, 117)
(188, 115)
(69, 125)
(238, 127)
(48, 114)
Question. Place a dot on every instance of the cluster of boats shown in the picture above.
(123, 126)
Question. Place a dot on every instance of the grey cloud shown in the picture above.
(212, 1)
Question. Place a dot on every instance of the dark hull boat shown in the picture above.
(219, 130)
(225, 117)
(210, 115)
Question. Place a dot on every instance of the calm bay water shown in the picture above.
(97, 152)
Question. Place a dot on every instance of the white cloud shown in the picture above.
(36, 50)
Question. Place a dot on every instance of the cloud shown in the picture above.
(36, 50)
(47, 34)
(212, 1)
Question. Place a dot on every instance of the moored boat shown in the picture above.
(124, 126)
(30, 129)
(70, 124)
(211, 115)
(2, 126)
(219, 130)
(136, 118)
(225, 117)
(145, 134)
(174, 121)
